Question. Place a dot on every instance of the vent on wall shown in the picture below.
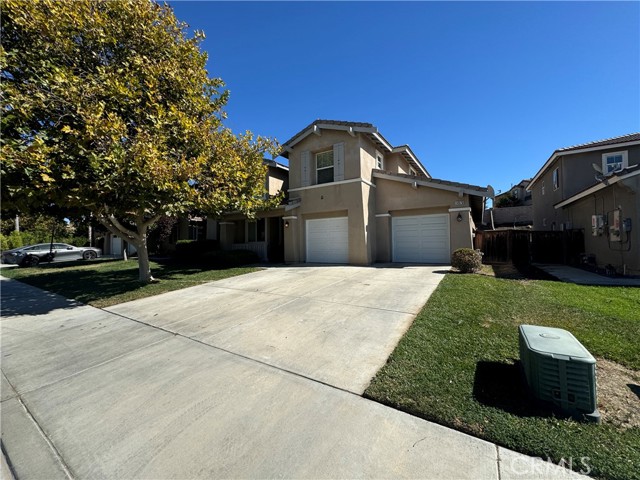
(559, 370)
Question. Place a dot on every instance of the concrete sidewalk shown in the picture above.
(92, 394)
(568, 274)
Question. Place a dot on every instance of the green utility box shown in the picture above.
(559, 370)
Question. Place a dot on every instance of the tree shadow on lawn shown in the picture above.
(502, 385)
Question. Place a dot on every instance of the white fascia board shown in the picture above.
(381, 139)
(439, 186)
(413, 157)
(575, 152)
(604, 184)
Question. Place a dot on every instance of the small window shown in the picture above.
(614, 161)
(379, 161)
(324, 167)
(556, 179)
(542, 189)
(516, 193)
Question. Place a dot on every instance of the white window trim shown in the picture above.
(555, 178)
(379, 161)
(542, 188)
(333, 165)
(625, 161)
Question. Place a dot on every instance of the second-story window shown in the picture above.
(615, 161)
(556, 179)
(324, 167)
(379, 161)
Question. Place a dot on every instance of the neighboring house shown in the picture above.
(263, 235)
(594, 187)
(513, 208)
(354, 198)
(518, 194)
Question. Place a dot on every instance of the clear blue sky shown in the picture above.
(482, 92)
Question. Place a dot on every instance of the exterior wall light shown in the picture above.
(459, 217)
(286, 224)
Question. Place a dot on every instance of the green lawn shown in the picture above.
(103, 283)
(457, 365)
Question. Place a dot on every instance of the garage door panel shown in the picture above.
(421, 239)
(328, 240)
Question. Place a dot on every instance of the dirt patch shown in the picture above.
(618, 394)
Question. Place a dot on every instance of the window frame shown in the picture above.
(555, 178)
(379, 161)
(332, 167)
(624, 164)
(542, 188)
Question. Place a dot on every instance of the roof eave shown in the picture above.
(562, 152)
(607, 181)
(428, 182)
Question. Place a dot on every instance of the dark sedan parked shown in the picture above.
(32, 255)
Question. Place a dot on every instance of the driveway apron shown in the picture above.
(193, 384)
(336, 324)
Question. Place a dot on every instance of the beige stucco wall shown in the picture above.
(330, 200)
(361, 198)
(316, 144)
(401, 199)
(395, 163)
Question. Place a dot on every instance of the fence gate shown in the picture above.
(522, 247)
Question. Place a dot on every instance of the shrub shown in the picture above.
(467, 260)
(229, 258)
(195, 248)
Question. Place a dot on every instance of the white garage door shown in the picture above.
(421, 239)
(328, 240)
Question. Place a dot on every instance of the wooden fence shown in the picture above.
(522, 247)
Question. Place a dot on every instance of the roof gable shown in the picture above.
(623, 140)
(367, 129)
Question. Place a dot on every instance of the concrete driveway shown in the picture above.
(89, 393)
(336, 325)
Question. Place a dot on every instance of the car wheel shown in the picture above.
(30, 261)
(89, 255)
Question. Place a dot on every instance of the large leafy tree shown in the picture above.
(108, 110)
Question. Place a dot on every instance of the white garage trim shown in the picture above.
(327, 240)
(421, 239)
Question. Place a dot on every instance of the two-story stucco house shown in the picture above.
(594, 187)
(354, 198)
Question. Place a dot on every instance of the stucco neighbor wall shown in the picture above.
(576, 175)
(623, 195)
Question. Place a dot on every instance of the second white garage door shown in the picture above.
(421, 239)
(328, 240)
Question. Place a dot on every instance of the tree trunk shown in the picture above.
(144, 269)
(138, 238)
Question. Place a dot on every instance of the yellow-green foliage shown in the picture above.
(108, 107)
